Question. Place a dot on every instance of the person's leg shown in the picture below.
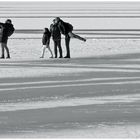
(7, 50)
(60, 48)
(50, 51)
(72, 35)
(55, 48)
(67, 43)
(2, 50)
(43, 51)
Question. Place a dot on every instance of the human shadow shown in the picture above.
(77, 62)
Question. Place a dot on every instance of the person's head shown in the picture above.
(57, 19)
(46, 30)
(8, 21)
(54, 21)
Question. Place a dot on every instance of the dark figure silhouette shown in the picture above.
(7, 30)
(56, 35)
(66, 29)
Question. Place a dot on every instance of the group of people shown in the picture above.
(57, 28)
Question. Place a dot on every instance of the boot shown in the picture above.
(60, 56)
(2, 57)
(8, 56)
(67, 57)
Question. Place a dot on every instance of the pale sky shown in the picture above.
(28, 9)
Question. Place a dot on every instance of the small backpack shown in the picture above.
(69, 26)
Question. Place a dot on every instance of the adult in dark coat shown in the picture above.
(7, 30)
(56, 36)
(66, 29)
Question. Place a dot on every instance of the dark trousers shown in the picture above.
(4, 47)
(67, 43)
(57, 44)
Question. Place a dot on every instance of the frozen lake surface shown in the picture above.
(95, 94)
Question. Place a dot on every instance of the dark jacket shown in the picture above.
(65, 27)
(55, 32)
(46, 38)
(6, 29)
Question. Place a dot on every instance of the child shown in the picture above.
(56, 35)
(46, 42)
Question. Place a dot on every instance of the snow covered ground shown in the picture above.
(31, 48)
(94, 94)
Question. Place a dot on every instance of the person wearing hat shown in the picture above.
(7, 29)
(66, 29)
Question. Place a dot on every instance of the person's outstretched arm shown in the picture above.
(48, 41)
(64, 30)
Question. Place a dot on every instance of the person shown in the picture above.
(46, 42)
(56, 35)
(66, 29)
(7, 29)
